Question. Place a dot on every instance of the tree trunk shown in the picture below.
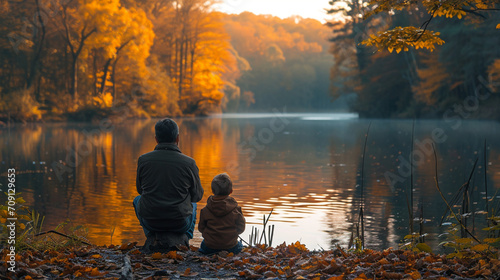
(104, 76)
(181, 70)
(186, 54)
(95, 73)
(113, 78)
(74, 79)
(37, 49)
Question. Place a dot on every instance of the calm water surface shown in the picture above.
(305, 167)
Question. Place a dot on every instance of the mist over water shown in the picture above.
(306, 167)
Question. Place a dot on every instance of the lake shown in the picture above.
(304, 167)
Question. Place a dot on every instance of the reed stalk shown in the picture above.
(410, 212)
(485, 164)
(444, 199)
(361, 219)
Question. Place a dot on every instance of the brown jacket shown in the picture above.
(221, 221)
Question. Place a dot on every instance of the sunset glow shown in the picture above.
(280, 8)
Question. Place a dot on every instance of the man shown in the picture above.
(168, 184)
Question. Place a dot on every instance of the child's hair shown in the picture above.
(221, 184)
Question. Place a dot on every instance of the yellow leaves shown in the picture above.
(424, 247)
(491, 240)
(480, 247)
(464, 241)
(401, 38)
(105, 100)
(428, 40)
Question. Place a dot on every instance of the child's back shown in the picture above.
(221, 220)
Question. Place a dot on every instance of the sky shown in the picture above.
(280, 8)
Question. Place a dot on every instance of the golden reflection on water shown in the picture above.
(307, 173)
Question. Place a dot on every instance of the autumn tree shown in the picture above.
(402, 38)
(22, 37)
(288, 62)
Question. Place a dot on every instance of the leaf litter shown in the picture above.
(293, 261)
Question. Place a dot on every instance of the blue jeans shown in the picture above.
(208, 251)
(188, 229)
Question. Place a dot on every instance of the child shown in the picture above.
(221, 221)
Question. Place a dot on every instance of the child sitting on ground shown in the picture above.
(221, 221)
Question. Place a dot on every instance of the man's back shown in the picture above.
(168, 181)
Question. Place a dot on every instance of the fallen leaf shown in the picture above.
(128, 246)
(95, 272)
(186, 272)
(157, 256)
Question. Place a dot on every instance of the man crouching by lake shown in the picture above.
(168, 184)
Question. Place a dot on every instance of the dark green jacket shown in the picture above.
(168, 181)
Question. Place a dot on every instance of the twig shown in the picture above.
(62, 234)
(263, 235)
(361, 216)
(244, 241)
(271, 235)
(485, 163)
(342, 251)
(424, 25)
(422, 237)
(363, 163)
(411, 178)
(444, 199)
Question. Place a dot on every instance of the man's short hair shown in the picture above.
(166, 131)
(222, 185)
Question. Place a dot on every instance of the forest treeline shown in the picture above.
(82, 59)
(85, 59)
(459, 79)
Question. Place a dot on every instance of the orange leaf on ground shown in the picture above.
(135, 252)
(173, 255)
(127, 246)
(157, 256)
(187, 271)
(415, 275)
(95, 272)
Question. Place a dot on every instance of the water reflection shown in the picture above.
(308, 172)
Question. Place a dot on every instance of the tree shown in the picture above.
(288, 62)
(402, 38)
